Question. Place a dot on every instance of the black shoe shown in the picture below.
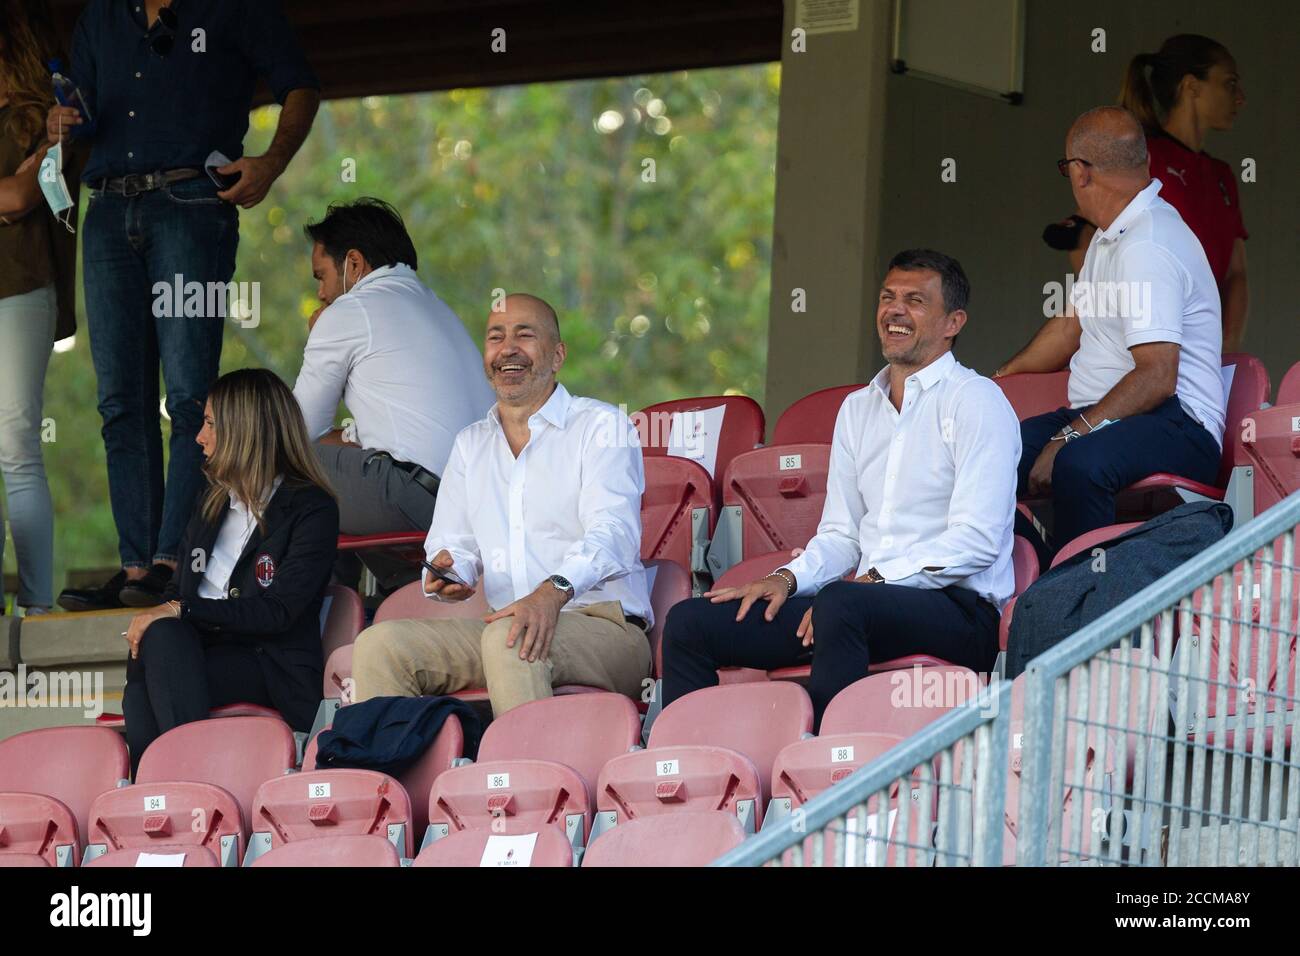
(148, 590)
(94, 599)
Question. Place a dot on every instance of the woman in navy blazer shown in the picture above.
(241, 618)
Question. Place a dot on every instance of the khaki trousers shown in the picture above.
(592, 645)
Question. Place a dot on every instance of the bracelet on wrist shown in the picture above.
(787, 577)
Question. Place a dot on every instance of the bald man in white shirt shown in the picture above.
(920, 499)
(1143, 340)
(540, 505)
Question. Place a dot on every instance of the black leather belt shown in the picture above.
(638, 621)
(136, 183)
(419, 474)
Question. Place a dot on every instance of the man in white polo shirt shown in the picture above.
(1143, 340)
(400, 360)
(540, 506)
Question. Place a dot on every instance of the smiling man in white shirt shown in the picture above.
(1143, 340)
(540, 505)
(400, 360)
(920, 499)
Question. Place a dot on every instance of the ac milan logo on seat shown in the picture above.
(265, 570)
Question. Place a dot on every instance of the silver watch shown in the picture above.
(561, 583)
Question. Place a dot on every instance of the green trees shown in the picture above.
(640, 207)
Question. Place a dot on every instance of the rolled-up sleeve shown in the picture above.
(451, 529)
(835, 549)
(609, 506)
(985, 440)
(269, 43)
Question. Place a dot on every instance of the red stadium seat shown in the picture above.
(678, 512)
(1288, 393)
(177, 813)
(671, 585)
(772, 500)
(742, 425)
(447, 748)
(812, 418)
(479, 848)
(688, 838)
(864, 720)
(235, 754)
(712, 749)
(330, 803)
(191, 856)
(1270, 444)
(344, 618)
(352, 850)
(404, 545)
(23, 860)
(1035, 393)
(537, 764)
(900, 703)
(66, 768)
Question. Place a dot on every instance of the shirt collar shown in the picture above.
(1136, 205)
(935, 372)
(239, 508)
(555, 411)
(397, 269)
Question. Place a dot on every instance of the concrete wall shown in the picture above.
(1007, 186)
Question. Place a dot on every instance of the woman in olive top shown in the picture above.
(37, 298)
(241, 618)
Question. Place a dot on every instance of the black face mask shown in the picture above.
(1065, 235)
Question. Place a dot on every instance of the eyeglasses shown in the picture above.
(1063, 164)
(163, 43)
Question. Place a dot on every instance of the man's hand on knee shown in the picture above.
(774, 589)
(534, 621)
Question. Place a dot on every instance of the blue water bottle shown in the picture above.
(67, 93)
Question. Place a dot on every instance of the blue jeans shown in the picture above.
(128, 245)
(1090, 471)
(26, 336)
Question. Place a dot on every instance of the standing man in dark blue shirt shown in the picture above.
(167, 84)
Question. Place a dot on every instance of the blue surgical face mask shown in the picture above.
(54, 187)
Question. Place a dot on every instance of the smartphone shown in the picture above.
(216, 159)
(442, 574)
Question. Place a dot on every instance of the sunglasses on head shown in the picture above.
(165, 41)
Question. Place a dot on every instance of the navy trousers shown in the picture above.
(1090, 471)
(853, 624)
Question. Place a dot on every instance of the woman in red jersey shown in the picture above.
(1180, 93)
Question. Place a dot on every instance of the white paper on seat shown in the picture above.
(160, 859)
(694, 435)
(516, 850)
(872, 846)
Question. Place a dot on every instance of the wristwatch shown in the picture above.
(1067, 434)
(874, 577)
(561, 583)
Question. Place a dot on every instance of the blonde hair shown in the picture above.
(260, 434)
(28, 41)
